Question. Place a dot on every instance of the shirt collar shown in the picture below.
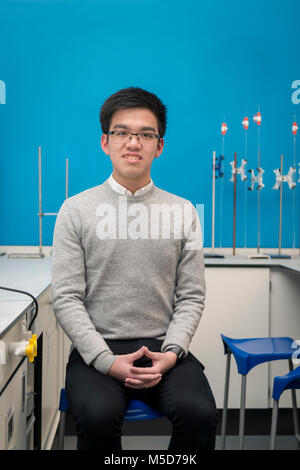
(122, 190)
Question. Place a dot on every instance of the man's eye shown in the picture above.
(145, 135)
(121, 133)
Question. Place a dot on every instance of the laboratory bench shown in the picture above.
(29, 391)
(245, 298)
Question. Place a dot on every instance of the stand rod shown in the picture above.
(234, 204)
(280, 205)
(213, 206)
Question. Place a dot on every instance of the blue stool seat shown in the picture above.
(248, 353)
(136, 411)
(63, 402)
(290, 381)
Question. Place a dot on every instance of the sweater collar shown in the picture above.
(122, 190)
(111, 188)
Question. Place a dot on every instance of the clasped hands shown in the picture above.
(142, 377)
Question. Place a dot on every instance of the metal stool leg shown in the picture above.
(224, 414)
(242, 412)
(294, 403)
(295, 415)
(274, 424)
(62, 430)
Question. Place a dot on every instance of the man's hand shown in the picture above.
(161, 363)
(136, 377)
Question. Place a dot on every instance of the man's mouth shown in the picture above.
(132, 157)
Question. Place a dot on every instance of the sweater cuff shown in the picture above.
(104, 361)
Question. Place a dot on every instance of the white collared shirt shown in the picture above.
(122, 190)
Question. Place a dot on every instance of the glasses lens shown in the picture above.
(121, 136)
(147, 137)
(124, 136)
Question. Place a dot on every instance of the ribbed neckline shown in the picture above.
(130, 198)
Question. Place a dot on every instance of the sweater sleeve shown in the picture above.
(190, 289)
(68, 290)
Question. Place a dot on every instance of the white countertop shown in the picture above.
(29, 275)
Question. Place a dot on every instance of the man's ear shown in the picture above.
(104, 143)
(160, 147)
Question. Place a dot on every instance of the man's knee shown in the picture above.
(197, 416)
(99, 418)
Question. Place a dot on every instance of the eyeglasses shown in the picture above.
(121, 137)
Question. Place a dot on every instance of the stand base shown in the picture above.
(26, 255)
(258, 256)
(280, 256)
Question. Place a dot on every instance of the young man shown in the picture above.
(128, 289)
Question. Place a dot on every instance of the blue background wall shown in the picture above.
(61, 59)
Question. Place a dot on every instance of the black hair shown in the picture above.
(133, 98)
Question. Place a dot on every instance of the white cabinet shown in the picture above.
(52, 369)
(247, 302)
(284, 320)
(237, 305)
(13, 412)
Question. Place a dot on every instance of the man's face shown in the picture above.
(126, 169)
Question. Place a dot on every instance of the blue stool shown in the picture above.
(290, 381)
(248, 353)
(136, 411)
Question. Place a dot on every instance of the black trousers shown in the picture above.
(98, 402)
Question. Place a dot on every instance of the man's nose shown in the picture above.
(133, 142)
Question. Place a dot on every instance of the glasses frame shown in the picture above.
(137, 134)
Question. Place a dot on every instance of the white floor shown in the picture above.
(232, 443)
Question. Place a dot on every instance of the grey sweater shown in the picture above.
(127, 267)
